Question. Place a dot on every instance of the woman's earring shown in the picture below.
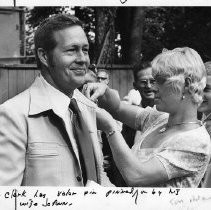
(183, 97)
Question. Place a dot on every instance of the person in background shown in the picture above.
(133, 97)
(109, 165)
(205, 108)
(143, 83)
(90, 76)
(103, 76)
(175, 148)
(48, 133)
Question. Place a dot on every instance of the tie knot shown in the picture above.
(74, 106)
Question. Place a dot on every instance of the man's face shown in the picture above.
(103, 77)
(144, 83)
(68, 62)
(206, 104)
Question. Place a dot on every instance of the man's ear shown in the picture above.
(42, 56)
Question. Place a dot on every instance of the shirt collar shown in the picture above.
(45, 97)
(59, 101)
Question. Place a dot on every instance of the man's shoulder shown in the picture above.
(83, 99)
(17, 103)
(21, 102)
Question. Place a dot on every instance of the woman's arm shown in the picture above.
(134, 172)
(110, 101)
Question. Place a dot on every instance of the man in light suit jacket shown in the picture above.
(38, 143)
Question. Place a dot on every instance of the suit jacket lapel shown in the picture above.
(40, 102)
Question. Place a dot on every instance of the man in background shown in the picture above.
(143, 82)
(103, 76)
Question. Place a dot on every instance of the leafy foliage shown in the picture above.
(37, 14)
(164, 27)
(33, 18)
(170, 27)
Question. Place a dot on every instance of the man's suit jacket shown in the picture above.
(35, 147)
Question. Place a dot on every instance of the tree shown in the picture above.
(33, 18)
(105, 34)
(97, 22)
(189, 26)
(170, 27)
(130, 22)
(128, 34)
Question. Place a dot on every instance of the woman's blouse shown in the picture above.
(185, 156)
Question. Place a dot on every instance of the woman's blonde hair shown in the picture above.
(175, 66)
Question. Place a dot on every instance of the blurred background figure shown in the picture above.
(142, 95)
(103, 76)
(133, 97)
(90, 76)
(109, 165)
(205, 108)
(143, 82)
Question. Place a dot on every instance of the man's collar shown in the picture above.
(45, 97)
(41, 100)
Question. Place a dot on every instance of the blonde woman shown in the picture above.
(174, 150)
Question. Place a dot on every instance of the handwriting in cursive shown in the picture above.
(132, 191)
(56, 203)
(15, 194)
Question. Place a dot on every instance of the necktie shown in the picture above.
(85, 147)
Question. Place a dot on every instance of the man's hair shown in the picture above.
(139, 67)
(44, 35)
(175, 66)
(208, 67)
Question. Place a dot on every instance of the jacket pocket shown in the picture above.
(43, 153)
(42, 165)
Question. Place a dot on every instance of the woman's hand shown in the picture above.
(105, 122)
(94, 90)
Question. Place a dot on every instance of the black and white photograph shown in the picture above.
(111, 103)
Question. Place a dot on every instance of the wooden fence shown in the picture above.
(16, 78)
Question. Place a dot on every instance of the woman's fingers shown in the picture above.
(94, 90)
